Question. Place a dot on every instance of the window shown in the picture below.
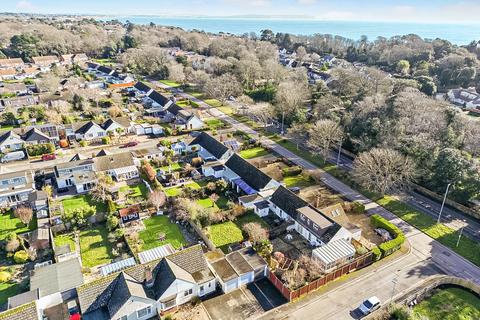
(188, 292)
(143, 312)
(123, 318)
(201, 288)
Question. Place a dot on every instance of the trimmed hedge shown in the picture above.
(40, 149)
(292, 171)
(389, 247)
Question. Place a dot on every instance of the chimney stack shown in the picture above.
(148, 277)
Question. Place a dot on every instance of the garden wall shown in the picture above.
(202, 235)
(359, 263)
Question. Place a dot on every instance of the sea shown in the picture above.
(460, 34)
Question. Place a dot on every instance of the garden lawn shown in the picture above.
(175, 191)
(224, 234)
(76, 202)
(170, 83)
(7, 290)
(94, 246)
(9, 223)
(220, 204)
(64, 239)
(214, 124)
(300, 180)
(161, 224)
(213, 102)
(449, 304)
(467, 247)
(139, 190)
(225, 109)
(253, 153)
(174, 167)
(250, 216)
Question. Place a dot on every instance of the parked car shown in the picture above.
(369, 305)
(384, 234)
(195, 133)
(130, 144)
(47, 157)
(295, 189)
(13, 156)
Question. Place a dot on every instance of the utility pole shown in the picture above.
(283, 121)
(443, 203)
(339, 152)
(460, 235)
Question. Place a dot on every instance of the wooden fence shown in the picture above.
(290, 295)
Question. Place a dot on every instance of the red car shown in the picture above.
(47, 157)
(130, 144)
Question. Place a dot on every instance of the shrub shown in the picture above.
(111, 206)
(292, 171)
(393, 245)
(40, 149)
(358, 207)
(112, 222)
(377, 254)
(20, 257)
(83, 143)
(5, 276)
(400, 313)
(106, 140)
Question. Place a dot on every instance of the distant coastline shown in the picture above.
(460, 34)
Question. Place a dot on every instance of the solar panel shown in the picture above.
(244, 186)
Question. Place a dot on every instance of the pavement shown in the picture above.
(427, 256)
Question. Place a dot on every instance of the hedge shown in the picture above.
(40, 149)
(292, 171)
(393, 245)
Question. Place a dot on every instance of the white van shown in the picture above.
(13, 156)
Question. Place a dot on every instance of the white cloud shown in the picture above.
(307, 2)
(24, 5)
(337, 15)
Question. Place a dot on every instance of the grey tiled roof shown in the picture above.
(212, 145)
(24, 312)
(287, 201)
(248, 172)
(116, 161)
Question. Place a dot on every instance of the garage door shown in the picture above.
(231, 285)
(244, 279)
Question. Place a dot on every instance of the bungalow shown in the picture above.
(35, 136)
(308, 221)
(246, 177)
(7, 74)
(158, 100)
(148, 154)
(88, 131)
(11, 63)
(147, 290)
(468, 99)
(15, 187)
(143, 88)
(56, 282)
(334, 254)
(210, 148)
(45, 61)
(141, 129)
(120, 166)
(28, 72)
(20, 102)
(239, 268)
(76, 173)
(10, 141)
(182, 119)
(117, 126)
(16, 88)
(78, 58)
(179, 148)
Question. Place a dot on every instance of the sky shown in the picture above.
(427, 11)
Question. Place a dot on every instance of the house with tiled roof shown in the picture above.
(209, 148)
(309, 222)
(10, 141)
(35, 136)
(7, 74)
(144, 291)
(117, 126)
(77, 173)
(89, 131)
(11, 63)
(15, 187)
(182, 119)
(28, 311)
(120, 166)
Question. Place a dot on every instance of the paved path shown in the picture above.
(427, 256)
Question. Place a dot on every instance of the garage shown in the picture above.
(245, 279)
(231, 285)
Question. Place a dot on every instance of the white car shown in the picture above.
(369, 305)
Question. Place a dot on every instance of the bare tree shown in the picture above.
(223, 87)
(25, 214)
(255, 231)
(157, 198)
(101, 190)
(214, 198)
(383, 170)
(290, 96)
(323, 135)
(298, 132)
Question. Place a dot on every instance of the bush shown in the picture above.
(5, 276)
(112, 222)
(358, 207)
(40, 149)
(377, 254)
(20, 257)
(400, 313)
(106, 140)
(393, 245)
(83, 143)
(292, 171)
(111, 206)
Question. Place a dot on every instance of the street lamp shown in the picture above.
(283, 121)
(443, 203)
(460, 235)
(339, 152)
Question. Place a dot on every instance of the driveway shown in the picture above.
(247, 302)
